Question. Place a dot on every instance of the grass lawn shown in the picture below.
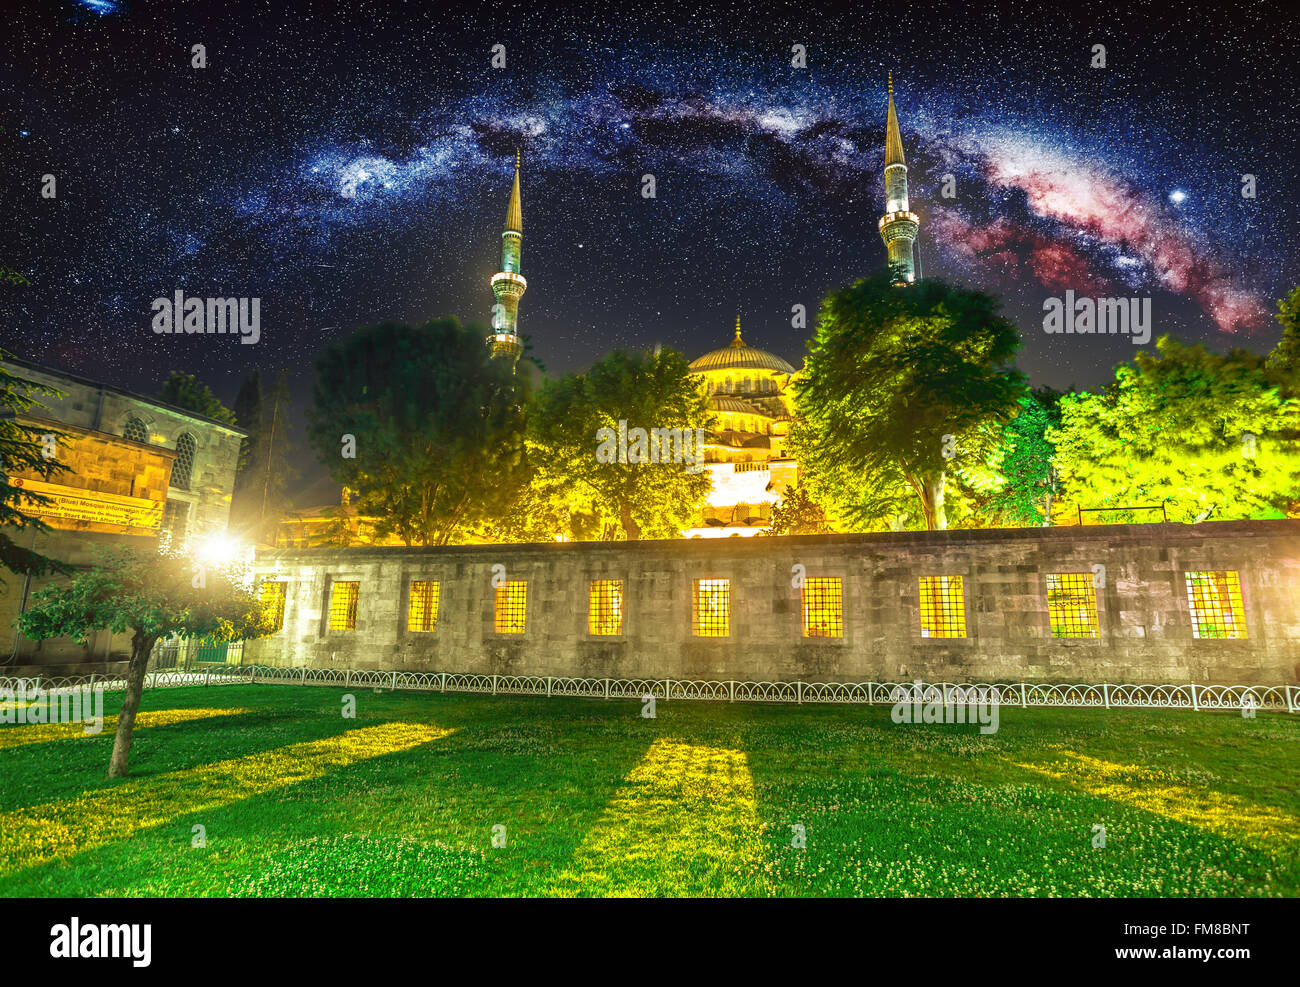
(706, 799)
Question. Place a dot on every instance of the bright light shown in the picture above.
(221, 550)
(1177, 196)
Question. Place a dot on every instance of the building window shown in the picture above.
(711, 608)
(1072, 605)
(943, 610)
(272, 597)
(343, 606)
(1215, 601)
(135, 430)
(422, 614)
(184, 464)
(823, 608)
(175, 521)
(511, 607)
(605, 607)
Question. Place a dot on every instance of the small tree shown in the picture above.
(798, 514)
(153, 596)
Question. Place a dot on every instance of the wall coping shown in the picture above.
(1169, 533)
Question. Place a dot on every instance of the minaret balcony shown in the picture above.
(901, 216)
(507, 283)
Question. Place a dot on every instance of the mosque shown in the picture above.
(750, 390)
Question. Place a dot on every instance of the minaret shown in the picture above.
(508, 285)
(899, 225)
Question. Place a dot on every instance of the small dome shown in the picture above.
(739, 355)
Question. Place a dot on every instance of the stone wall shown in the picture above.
(95, 407)
(1145, 625)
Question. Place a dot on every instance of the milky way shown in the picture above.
(347, 167)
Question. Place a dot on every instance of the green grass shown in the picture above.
(699, 801)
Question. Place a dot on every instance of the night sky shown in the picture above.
(347, 163)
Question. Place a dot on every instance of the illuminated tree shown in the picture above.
(797, 514)
(423, 427)
(1030, 484)
(1206, 434)
(153, 596)
(626, 498)
(904, 390)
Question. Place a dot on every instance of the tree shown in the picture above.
(1206, 434)
(152, 596)
(1031, 484)
(24, 449)
(903, 390)
(1284, 361)
(584, 444)
(423, 427)
(797, 514)
(187, 391)
(260, 497)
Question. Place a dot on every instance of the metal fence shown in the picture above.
(1082, 695)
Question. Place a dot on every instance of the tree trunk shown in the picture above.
(141, 646)
(632, 529)
(936, 515)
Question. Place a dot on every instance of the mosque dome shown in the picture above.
(739, 355)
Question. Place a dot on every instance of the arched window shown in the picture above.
(135, 430)
(749, 385)
(728, 385)
(184, 465)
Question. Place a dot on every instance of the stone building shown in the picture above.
(1211, 603)
(139, 470)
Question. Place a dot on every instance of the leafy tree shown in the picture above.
(260, 498)
(903, 390)
(1198, 431)
(626, 499)
(24, 449)
(797, 514)
(187, 391)
(153, 596)
(423, 427)
(1031, 484)
(1284, 361)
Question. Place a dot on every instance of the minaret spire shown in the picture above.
(737, 339)
(508, 285)
(899, 225)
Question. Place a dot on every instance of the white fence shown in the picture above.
(1101, 696)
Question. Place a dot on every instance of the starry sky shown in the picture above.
(347, 163)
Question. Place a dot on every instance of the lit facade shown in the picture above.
(747, 453)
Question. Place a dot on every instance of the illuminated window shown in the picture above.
(135, 430)
(711, 608)
(184, 464)
(272, 597)
(1072, 605)
(823, 608)
(943, 611)
(605, 606)
(1216, 604)
(422, 614)
(511, 607)
(343, 606)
